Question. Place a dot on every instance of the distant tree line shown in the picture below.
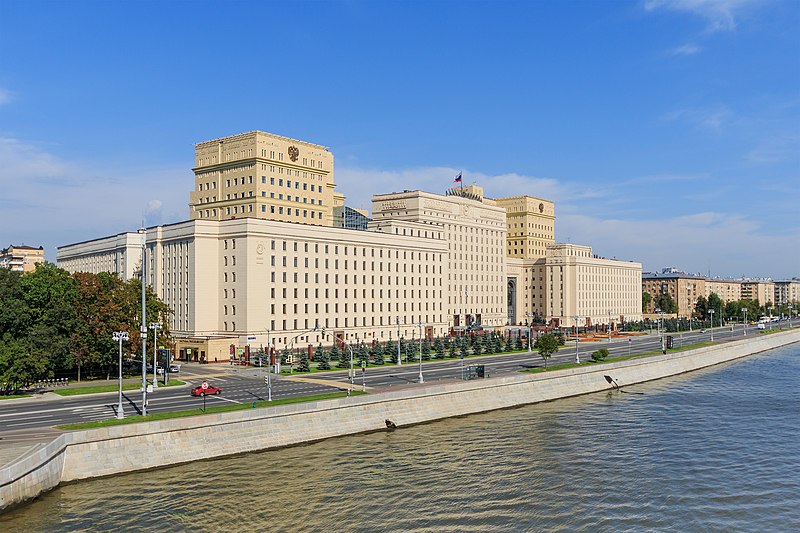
(53, 323)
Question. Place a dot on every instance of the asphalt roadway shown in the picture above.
(244, 385)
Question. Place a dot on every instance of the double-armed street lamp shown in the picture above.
(711, 312)
(745, 321)
(399, 360)
(155, 326)
(528, 317)
(420, 325)
(335, 337)
(577, 357)
(120, 336)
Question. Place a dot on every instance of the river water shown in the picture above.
(715, 450)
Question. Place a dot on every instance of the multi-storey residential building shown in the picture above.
(21, 258)
(762, 291)
(262, 175)
(787, 292)
(683, 288)
(425, 263)
(728, 290)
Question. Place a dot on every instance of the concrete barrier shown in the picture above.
(117, 449)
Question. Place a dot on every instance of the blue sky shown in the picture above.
(666, 131)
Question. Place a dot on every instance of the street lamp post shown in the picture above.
(689, 305)
(269, 370)
(609, 326)
(335, 336)
(745, 321)
(711, 312)
(143, 328)
(577, 357)
(528, 317)
(120, 336)
(399, 362)
(155, 326)
(421, 379)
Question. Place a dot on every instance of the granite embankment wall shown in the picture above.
(113, 450)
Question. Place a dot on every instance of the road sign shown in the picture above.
(363, 364)
(204, 385)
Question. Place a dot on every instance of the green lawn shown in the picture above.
(357, 366)
(15, 395)
(73, 391)
(619, 358)
(209, 410)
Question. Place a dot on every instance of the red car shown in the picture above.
(210, 389)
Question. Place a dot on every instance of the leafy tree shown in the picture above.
(665, 303)
(646, 299)
(547, 345)
(19, 366)
(322, 358)
(701, 308)
(715, 303)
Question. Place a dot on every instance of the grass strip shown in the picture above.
(617, 359)
(14, 396)
(74, 391)
(199, 411)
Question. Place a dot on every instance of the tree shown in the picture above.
(362, 354)
(547, 345)
(509, 343)
(302, 365)
(322, 358)
(477, 345)
(646, 299)
(701, 308)
(665, 303)
(438, 347)
(426, 349)
(715, 303)
(454, 345)
(377, 354)
(463, 348)
(599, 355)
(19, 366)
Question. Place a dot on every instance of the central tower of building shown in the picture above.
(261, 175)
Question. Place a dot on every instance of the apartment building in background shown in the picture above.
(21, 258)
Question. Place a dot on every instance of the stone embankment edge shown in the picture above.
(118, 449)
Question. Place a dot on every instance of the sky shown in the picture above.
(666, 131)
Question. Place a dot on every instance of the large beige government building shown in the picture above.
(268, 255)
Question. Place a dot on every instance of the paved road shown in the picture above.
(245, 385)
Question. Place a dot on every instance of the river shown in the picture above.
(714, 450)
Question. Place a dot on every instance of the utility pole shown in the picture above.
(143, 328)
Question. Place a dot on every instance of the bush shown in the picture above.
(599, 355)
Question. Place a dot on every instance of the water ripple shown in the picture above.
(709, 451)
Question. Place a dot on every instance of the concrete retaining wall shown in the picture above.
(114, 450)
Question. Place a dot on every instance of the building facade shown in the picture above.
(21, 258)
(759, 290)
(787, 292)
(683, 288)
(728, 290)
(254, 266)
(262, 175)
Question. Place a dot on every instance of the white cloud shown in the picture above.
(694, 243)
(360, 184)
(686, 50)
(708, 119)
(775, 149)
(50, 201)
(5, 96)
(721, 15)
